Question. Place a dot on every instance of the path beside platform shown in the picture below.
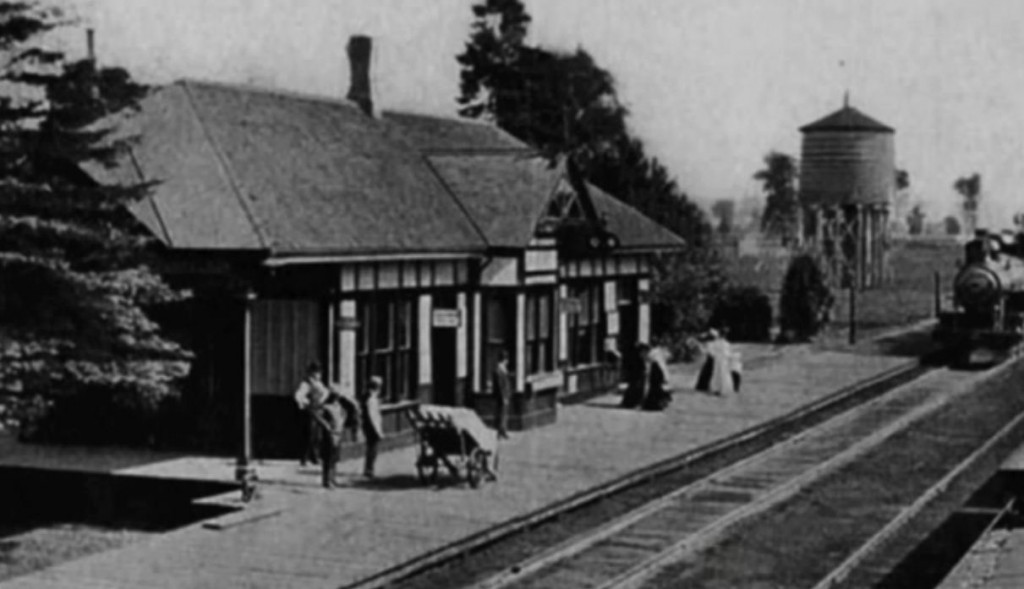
(310, 537)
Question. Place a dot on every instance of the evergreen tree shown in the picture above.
(75, 288)
(558, 102)
(564, 104)
(491, 59)
(806, 300)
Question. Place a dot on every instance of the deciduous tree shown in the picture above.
(915, 220)
(779, 183)
(725, 211)
(969, 188)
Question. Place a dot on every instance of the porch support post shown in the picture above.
(478, 368)
(563, 325)
(425, 355)
(347, 327)
(520, 342)
(462, 338)
(644, 311)
(611, 310)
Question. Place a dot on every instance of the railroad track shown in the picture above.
(852, 526)
(486, 556)
(628, 551)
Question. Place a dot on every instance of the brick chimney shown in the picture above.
(360, 48)
(90, 45)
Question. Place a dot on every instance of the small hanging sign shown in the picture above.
(449, 318)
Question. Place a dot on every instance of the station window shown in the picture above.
(387, 327)
(586, 326)
(540, 349)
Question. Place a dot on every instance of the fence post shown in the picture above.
(938, 293)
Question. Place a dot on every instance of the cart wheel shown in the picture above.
(475, 467)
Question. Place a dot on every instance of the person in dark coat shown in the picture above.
(634, 373)
(501, 388)
(309, 395)
(330, 419)
(658, 395)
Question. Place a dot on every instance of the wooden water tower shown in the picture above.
(847, 179)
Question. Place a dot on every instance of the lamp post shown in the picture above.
(245, 472)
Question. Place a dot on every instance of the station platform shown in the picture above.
(996, 561)
(299, 535)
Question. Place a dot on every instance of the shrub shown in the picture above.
(686, 291)
(806, 300)
(101, 415)
(744, 313)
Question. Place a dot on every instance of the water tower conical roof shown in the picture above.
(847, 119)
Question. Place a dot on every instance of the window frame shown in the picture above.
(539, 342)
(588, 327)
(395, 362)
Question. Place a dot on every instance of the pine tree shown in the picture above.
(565, 104)
(76, 292)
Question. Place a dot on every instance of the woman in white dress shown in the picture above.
(718, 368)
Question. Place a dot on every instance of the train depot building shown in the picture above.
(405, 246)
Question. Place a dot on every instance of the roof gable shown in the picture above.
(510, 196)
(634, 229)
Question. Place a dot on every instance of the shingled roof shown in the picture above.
(634, 229)
(240, 168)
(504, 194)
(431, 134)
(847, 119)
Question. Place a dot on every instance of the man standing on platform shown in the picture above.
(309, 396)
(372, 426)
(501, 388)
(330, 419)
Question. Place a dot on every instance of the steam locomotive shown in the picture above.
(988, 295)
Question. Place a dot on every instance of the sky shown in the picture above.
(712, 85)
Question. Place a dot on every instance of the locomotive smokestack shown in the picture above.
(90, 45)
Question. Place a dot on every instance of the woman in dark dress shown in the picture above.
(634, 372)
